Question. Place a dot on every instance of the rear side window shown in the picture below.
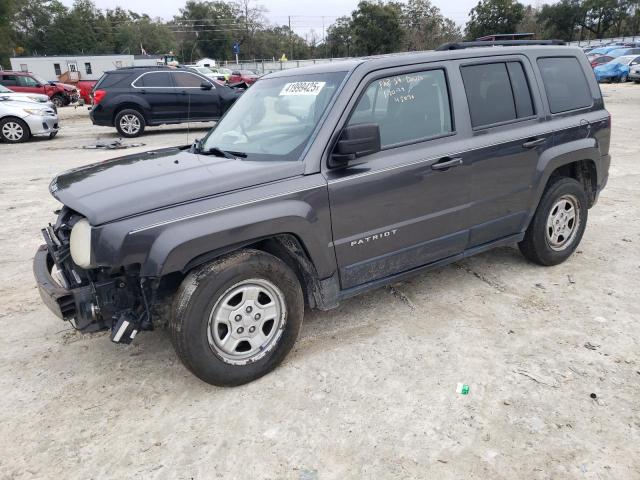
(407, 108)
(497, 93)
(111, 80)
(187, 80)
(565, 83)
(9, 80)
(154, 80)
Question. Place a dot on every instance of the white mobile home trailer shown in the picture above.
(89, 67)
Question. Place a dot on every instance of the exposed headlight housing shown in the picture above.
(80, 243)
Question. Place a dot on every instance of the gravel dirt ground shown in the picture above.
(370, 389)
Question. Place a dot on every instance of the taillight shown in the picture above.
(98, 95)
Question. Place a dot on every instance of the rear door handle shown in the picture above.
(534, 143)
(447, 163)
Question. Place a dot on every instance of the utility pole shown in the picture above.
(324, 43)
(290, 40)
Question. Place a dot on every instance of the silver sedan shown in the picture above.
(26, 97)
(20, 120)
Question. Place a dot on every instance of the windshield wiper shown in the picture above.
(224, 153)
(218, 152)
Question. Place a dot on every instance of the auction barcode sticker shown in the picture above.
(302, 88)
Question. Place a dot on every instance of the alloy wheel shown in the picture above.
(563, 223)
(130, 124)
(247, 321)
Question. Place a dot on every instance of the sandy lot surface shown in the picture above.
(370, 389)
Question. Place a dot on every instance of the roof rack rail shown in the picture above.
(496, 43)
(142, 66)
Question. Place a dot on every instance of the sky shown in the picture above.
(305, 14)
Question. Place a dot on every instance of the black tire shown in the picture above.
(59, 101)
(537, 245)
(14, 130)
(205, 288)
(623, 79)
(52, 135)
(130, 123)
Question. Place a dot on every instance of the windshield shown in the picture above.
(622, 60)
(274, 119)
(40, 80)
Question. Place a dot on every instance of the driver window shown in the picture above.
(27, 82)
(409, 107)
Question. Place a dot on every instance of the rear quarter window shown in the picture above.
(565, 83)
(111, 80)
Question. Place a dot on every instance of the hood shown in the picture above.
(138, 183)
(34, 97)
(66, 86)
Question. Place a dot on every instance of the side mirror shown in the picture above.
(205, 86)
(355, 141)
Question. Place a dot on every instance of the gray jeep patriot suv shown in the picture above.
(321, 183)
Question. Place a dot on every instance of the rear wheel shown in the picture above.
(14, 130)
(558, 224)
(130, 123)
(235, 319)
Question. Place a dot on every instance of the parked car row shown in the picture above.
(618, 69)
(60, 94)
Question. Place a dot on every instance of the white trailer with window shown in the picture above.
(89, 67)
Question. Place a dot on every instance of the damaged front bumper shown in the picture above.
(91, 300)
(76, 305)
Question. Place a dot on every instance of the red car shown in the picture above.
(600, 60)
(85, 88)
(247, 76)
(60, 94)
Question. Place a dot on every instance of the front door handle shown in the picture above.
(447, 163)
(534, 143)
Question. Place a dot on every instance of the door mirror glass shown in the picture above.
(355, 141)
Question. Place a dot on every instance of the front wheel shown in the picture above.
(236, 318)
(59, 101)
(624, 79)
(14, 130)
(130, 123)
(558, 224)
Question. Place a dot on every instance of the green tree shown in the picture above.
(207, 29)
(7, 32)
(339, 37)
(376, 27)
(598, 16)
(251, 20)
(425, 27)
(560, 20)
(494, 16)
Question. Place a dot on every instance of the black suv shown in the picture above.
(321, 183)
(132, 98)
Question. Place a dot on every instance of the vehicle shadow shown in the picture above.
(356, 317)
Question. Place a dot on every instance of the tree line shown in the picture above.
(210, 28)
